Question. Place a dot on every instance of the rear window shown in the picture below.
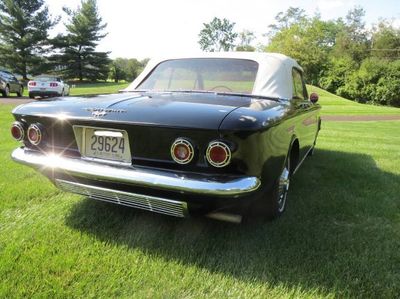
(47, 79)
(5, 75)
(204, 74)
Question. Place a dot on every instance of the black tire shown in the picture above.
(31, 96)
(21, 91)
(279, 192)
(271, 203)
(6, 92)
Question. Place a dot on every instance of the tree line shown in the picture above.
(342, 55)
(27, 49)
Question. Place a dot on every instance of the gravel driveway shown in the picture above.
(15, 100)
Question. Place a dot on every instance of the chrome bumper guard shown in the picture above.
(161, 180)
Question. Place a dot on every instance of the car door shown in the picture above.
(307, 124)
(14, 84)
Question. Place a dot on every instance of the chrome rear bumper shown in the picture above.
(156, 179)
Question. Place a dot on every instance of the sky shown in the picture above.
(142, 29)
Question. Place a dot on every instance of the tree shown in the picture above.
(284, 20)
(386, 41)
(337, 73)
(126, 69)
(376, 81)
(117, 71)
(308, 40)
(77, 56)
(218, 35)
(246, 37)
(24, 26)
(352, 40)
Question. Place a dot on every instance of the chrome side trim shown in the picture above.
(302, 160)
(157, 179)
(139, 201)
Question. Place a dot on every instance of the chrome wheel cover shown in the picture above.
(284, 181)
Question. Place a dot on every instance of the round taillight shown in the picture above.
(218, 154)
(182, 151)
(17, 131)
(34, 134)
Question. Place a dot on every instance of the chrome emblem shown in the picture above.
(99, 112)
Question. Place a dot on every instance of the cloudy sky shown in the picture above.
(147, 28)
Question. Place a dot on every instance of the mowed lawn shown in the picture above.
(340, 237)
(335, 105)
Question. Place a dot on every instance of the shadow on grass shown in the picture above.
(338, 235)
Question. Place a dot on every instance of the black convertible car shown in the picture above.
(218, 134)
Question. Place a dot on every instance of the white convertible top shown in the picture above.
(274, 76)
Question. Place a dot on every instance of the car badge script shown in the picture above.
(99, 112)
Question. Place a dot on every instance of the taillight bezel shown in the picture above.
(225, 147)
(190, 147)
(39, 132)
(21, 128)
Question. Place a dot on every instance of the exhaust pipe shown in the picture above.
(233, 218)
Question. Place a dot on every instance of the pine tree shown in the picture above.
(24, 26)
(77, 56)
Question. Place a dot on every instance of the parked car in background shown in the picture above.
(219, 134)
(47, 86)
(10, 84)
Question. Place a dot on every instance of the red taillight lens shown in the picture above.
(182, 151)
(35, 134)
(17, 131)
(32, 83)
(218, 154)
(53, 84)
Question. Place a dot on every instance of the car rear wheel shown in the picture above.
(31, 96)
(271, 202)
(277, 197)
(21, 91)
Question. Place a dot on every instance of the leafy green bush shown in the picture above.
(337, 73)
(377, 81)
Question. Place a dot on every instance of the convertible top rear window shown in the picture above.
(204, 74)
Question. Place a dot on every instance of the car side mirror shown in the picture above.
(314, 97)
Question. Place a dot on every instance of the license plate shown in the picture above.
(106, 144)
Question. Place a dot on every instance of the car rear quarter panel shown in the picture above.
(265, 136)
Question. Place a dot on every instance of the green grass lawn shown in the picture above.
(335, 105)
(340, 237)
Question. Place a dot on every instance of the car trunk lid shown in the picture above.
(175, 110)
